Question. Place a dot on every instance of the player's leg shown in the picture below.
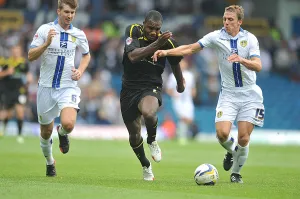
(148, 106)
(182, 130)
(9, 113)
(248, 117)
(227, 141)
(225, 115)
(132, 118)
(20, 120)
(185, 113)
(47, 111)
(2, 116)
(136, 143)
(6, 114)
(46, 145)
(242, 150)
(2, 113)
(223, 134)
(67, 119)
(68, 103)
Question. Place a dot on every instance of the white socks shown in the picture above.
(182, 130)
(239, 158)
(46, 146)
(62, 131)
(229, 144)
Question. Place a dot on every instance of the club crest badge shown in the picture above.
(219, 114)
(243, 43)
(73, 39)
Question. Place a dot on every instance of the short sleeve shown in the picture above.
(132, 34)
(83, 44)
(39, 37)
(208, 40)
(173, 60)
(253, 46)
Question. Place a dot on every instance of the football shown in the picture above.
(206, 174)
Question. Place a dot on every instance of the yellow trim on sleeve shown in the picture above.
(132, 26)
(171, 43)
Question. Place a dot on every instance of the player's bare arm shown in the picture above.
(77, 73)
(179, 78)
(253, 64)
(7, 72)
(35, 53)
(141, 53)
(179, 51)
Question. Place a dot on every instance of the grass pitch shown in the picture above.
(109, 169)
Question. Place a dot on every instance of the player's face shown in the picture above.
(231, 23)
(152, 29)
(66, 15)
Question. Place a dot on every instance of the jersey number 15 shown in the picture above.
(260, 114)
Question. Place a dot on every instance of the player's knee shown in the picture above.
(149, 115)
(46, 133)
(134, 139)
(68, 126)
(243, 140)
(222, 135)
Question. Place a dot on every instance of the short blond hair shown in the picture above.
(239, 10)
(72, 3)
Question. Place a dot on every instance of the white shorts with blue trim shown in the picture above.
(241, 104)
(51, 101)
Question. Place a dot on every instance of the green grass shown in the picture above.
(109, 169)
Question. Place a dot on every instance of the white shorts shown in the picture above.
(184, 109)
(51, 101)
(242, 104)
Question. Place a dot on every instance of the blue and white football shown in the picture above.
(206, 174)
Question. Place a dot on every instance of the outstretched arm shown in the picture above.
(141, 53)
(179, 51)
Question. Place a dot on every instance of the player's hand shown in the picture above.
(163, 38)
(50, 36)
(180, 87)
(76, 74)
(159, 53)
(234, 58)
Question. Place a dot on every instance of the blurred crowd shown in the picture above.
(101, 82)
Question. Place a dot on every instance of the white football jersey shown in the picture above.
(245, 44)
(186, 96)
(57, 60)
(183, 104)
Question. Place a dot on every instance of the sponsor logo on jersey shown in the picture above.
(61, 52)
(234, 51)
(243, 43)
(128, 41)
(63, 44)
